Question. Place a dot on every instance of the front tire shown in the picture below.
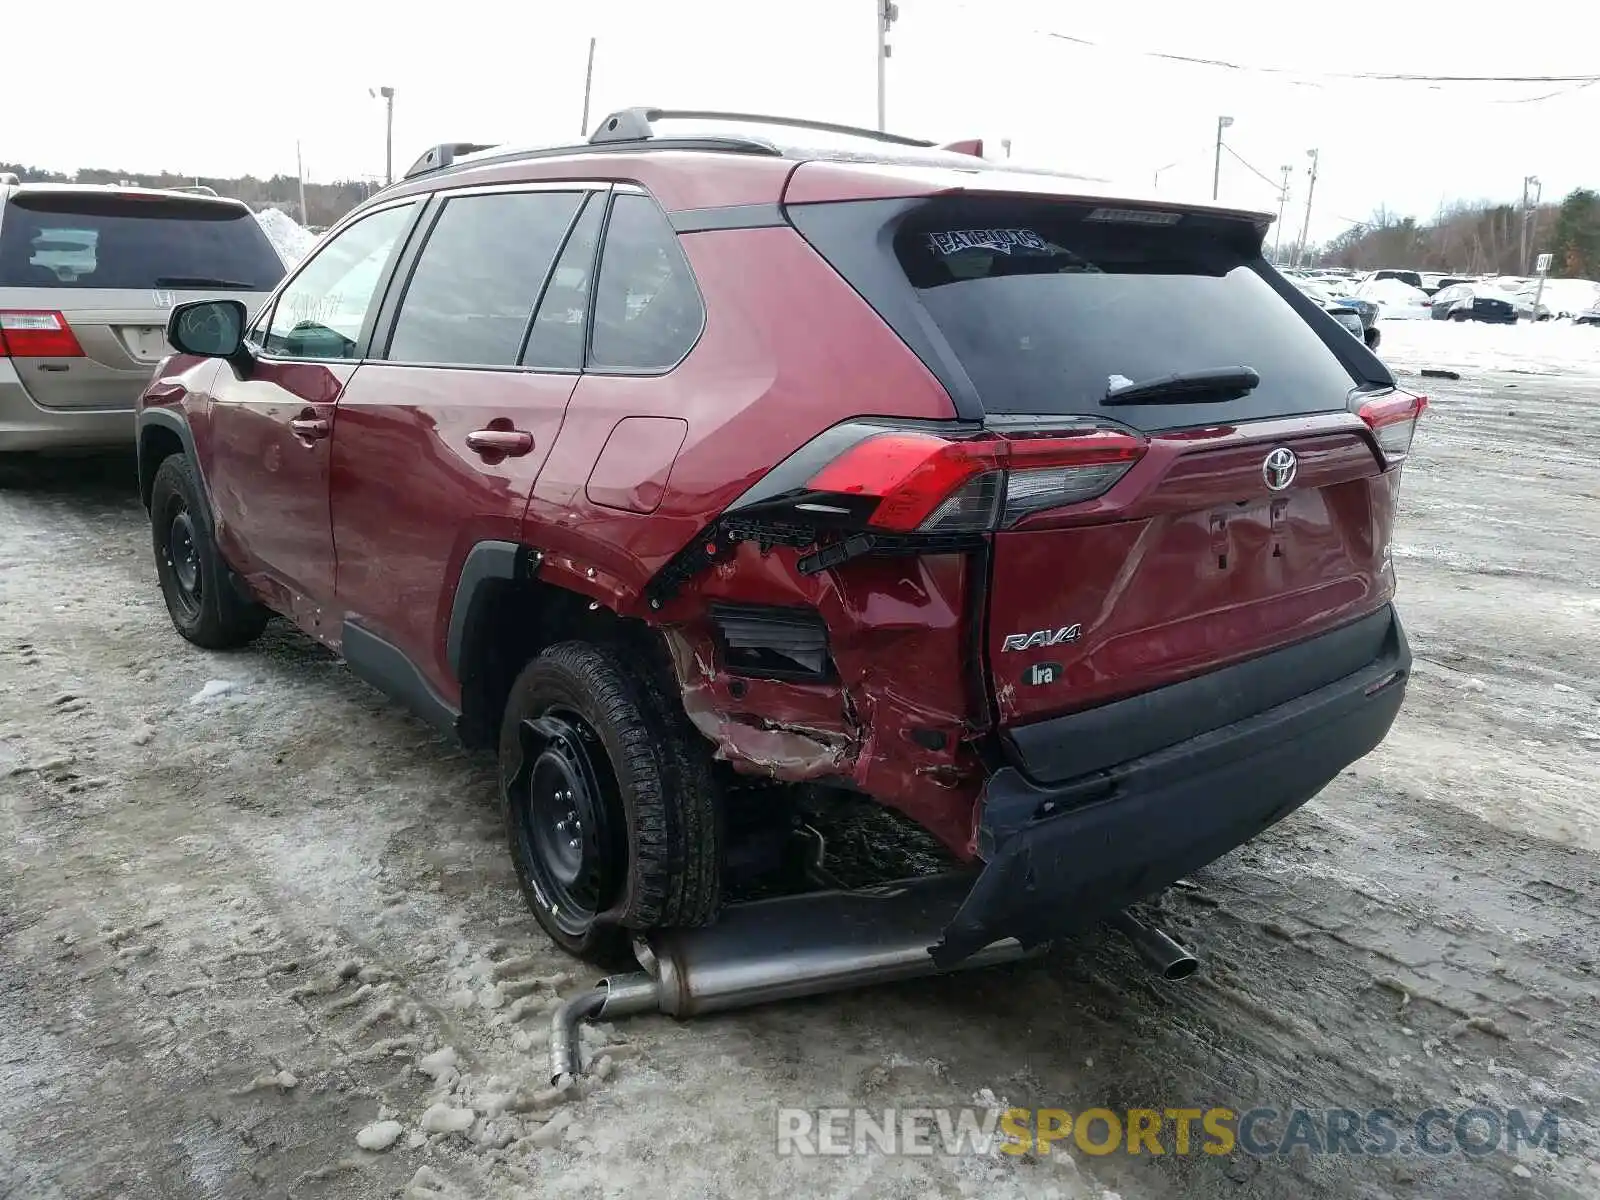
(195, 580)
(609, 801)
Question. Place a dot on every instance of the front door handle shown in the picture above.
(506, 443)
(310, 429)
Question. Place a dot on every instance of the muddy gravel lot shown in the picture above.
(248, 909)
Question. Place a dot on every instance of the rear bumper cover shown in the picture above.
(1063, 854)
(25, 425)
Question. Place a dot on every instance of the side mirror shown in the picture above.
(209, 329)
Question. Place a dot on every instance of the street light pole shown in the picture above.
(1311, 187)
(1283, 203)
(888, 14)
(1527, 218)
(388, 131)
(1155, 183)
(1216, 170)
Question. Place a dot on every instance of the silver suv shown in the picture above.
(88, 276)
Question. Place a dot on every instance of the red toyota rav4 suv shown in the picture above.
(1058, 522)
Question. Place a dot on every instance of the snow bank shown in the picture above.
(291, 240)
(1526, 348)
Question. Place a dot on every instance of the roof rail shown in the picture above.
(637, 125)
(442, 156)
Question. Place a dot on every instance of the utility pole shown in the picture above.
(388, 135)
(1283, 203)
(300, 170)
(1527, 219)
(588, 85)
(888, 14)
(1311, 187)
(1216, 170)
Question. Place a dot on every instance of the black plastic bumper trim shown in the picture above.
(1060, 858)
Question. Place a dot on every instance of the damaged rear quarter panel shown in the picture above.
(898, 639)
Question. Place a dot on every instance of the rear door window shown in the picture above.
(471, 298)
(133, 242)
(556, 343)
(1048, 307)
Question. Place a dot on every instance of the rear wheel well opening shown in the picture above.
(156, 445)
(512, 621)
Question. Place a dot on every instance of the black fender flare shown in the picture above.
(164, 418)
(487, 563)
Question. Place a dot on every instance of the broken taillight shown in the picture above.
(925, 483)
(1393, 419)
(29, 333)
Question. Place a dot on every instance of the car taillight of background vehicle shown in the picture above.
(25, 333)
(929, 484)
(1393, 420)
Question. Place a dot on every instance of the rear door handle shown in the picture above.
(310, 429)
(511, 443)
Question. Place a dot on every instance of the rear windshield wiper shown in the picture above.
(1188, 387)
(205, 281)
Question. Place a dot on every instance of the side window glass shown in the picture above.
(320, 313)
(556, 341)
(647, 311)
(471, 297)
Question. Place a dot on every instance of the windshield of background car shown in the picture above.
(138, 241)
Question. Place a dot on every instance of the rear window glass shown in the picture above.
(115, 242)
(1048, 310)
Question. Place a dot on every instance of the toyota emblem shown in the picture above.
(1278, 468)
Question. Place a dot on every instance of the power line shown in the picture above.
(1275, 186)
(1385, 76)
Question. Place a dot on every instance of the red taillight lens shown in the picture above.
(1393, 420)
(26, 333)
(929, 484)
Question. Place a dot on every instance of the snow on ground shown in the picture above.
(1526, 348)
(241, 941)
(291, 240)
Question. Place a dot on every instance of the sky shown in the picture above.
(232, 91)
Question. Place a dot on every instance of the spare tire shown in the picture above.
(609, 800)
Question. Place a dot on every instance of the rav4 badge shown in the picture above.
(1042, 637)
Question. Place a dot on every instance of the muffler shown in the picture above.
(780, 949)
(804, 945)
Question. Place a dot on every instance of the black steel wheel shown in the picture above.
(561, 800)
(609, 800)
(202, 599)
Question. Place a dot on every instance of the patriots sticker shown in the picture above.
(1002, 241)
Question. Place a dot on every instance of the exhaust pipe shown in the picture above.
(780, 949)
(1170, 960)
(804, 945)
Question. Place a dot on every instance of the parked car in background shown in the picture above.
(1564, 297)
(1588, 316)
(1396, 299)
(1360, 317)
(88, 276)
(1433, 282)
(681, 457)
(1471, 302)
(1413, 278)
